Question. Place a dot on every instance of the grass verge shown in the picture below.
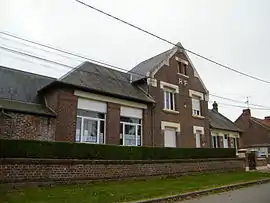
(123, 191)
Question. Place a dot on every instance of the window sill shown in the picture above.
(171, 111)
(186, 76)
(197, 116)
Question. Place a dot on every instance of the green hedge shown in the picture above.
(65, 150)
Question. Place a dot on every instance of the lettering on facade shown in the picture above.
(183, 82)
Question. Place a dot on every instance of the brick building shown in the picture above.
(160, 102)
(256, 132)
(224, 132)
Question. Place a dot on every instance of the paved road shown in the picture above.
(253, 194)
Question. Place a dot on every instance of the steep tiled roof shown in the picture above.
(218, 121)
(20, 85)
(262, 122)
(142, 68)
(105, 80)
(19, 91)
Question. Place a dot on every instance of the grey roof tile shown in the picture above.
(18, 106)
(142, 68)
(105, 80)
(218, 121)
(21, 86)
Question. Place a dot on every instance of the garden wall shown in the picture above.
(14, 170)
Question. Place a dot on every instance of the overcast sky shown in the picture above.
(235, 33)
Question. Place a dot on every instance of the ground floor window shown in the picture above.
(216, 141)
(130, 131)
(90, 127)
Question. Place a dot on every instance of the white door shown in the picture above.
(170, 137)
(225, 141)
(198, 139)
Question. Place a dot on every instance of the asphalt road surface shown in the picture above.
(253, 194)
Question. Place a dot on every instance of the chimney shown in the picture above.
(246, 112)
(130, 78)
(215, 106)
(267, 118)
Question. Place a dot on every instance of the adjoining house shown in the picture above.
(256, 132)
(160, 102)
(23, 113)
(224, 132)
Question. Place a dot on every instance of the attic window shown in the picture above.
(182, 68)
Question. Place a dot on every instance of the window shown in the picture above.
(90, 127)
(198, 135)
(130, 131)
(169, 99)
(216, 140)
(196, 106)
(182, 68)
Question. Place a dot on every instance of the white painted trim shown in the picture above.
(198, 116)
(165, 124)
(181, 60)
(163, 85)
(206, 97)
(186, 76)
(196, 93)
(198, 128)
(103, 98)
(170, 111)
(152, 82)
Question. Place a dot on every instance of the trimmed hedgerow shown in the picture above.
(66, 150)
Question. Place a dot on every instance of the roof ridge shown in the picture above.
(26, 72)
(260, 123)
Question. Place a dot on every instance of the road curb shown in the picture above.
(191, 195)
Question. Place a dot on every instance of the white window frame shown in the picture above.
(137, 125)
(215, 141)
(171, 96)
(98, 128)
(196, 111)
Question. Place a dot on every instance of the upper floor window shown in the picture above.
(182, 68)
(196, 106)
(169, 99)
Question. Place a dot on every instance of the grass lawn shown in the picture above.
(123, 191)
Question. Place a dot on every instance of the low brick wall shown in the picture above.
(50, 170)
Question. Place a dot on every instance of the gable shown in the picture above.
(150, 67)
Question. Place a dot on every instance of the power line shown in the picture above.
(239, 106)
(36, 57)
(70, 67)
(35, 47)
(169, 42)
(69, 53)
(237, 101)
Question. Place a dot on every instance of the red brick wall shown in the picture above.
(64, 103)
(31, 170)
(27, 126)
(254, 133)
(183, 102)
(147, 128)
(113, 124)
